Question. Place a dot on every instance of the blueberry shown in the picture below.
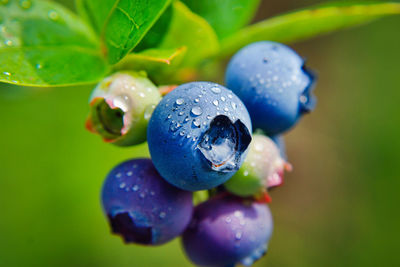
(121, 106)
(226, 231)
(263, 168)
(142, 207)
(274, 84)
(198, 135)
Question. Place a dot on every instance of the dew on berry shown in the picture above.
(179, 101)
(196, 111)
(223, 143)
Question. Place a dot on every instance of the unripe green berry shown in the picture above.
(263, 168)
(121, 106)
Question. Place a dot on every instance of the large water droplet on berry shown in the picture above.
(224, 143)
(196, 111)
(216, 89)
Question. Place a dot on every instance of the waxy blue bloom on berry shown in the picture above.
(198, 135)
(274, 84)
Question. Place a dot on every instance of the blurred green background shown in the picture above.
(339, 207)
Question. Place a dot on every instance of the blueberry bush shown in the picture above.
(215, 150)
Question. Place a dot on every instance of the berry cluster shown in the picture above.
(201, 141)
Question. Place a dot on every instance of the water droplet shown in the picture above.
(142, 195)
(162, 215)
(226, 109)
(25, 4)
(196, 111)
(223, 98)
(196, 100)
(179, 101)
(181, 113)
(186, 119)
(245, 173)
(169, 116)
(118, 175)
(53, 15)
(129, 173)
(7, 73)
(196, 123)
(174, 126)
(303, 99)
(238, 235)
(135, 188)
(39, 66)
(230, 96)
(141, 94)
(238, 214)
(209, 117)
(233, 104)
(122, 185)
(215, 102)
(215, 89)
(182, 133)
(247, 261)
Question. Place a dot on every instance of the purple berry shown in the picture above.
(228, 230)
(142, 207)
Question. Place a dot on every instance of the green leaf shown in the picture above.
(185, 30)
(151, 56)
(43, 44)
(121, 23)
(192, 31)
(225, 16)
(155, 62)
(303, 24)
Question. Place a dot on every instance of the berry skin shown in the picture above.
(198, 135)
(263, 168)
(121, 106)
(280, 143)
(226, 231)
(142, 207)
(272, 81)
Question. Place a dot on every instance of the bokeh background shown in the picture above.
(339, 207)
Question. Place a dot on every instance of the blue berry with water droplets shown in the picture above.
(274, 84)
(142, 207)
(227, 230)
(198, 135)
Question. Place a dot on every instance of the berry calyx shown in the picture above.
(121, 106)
